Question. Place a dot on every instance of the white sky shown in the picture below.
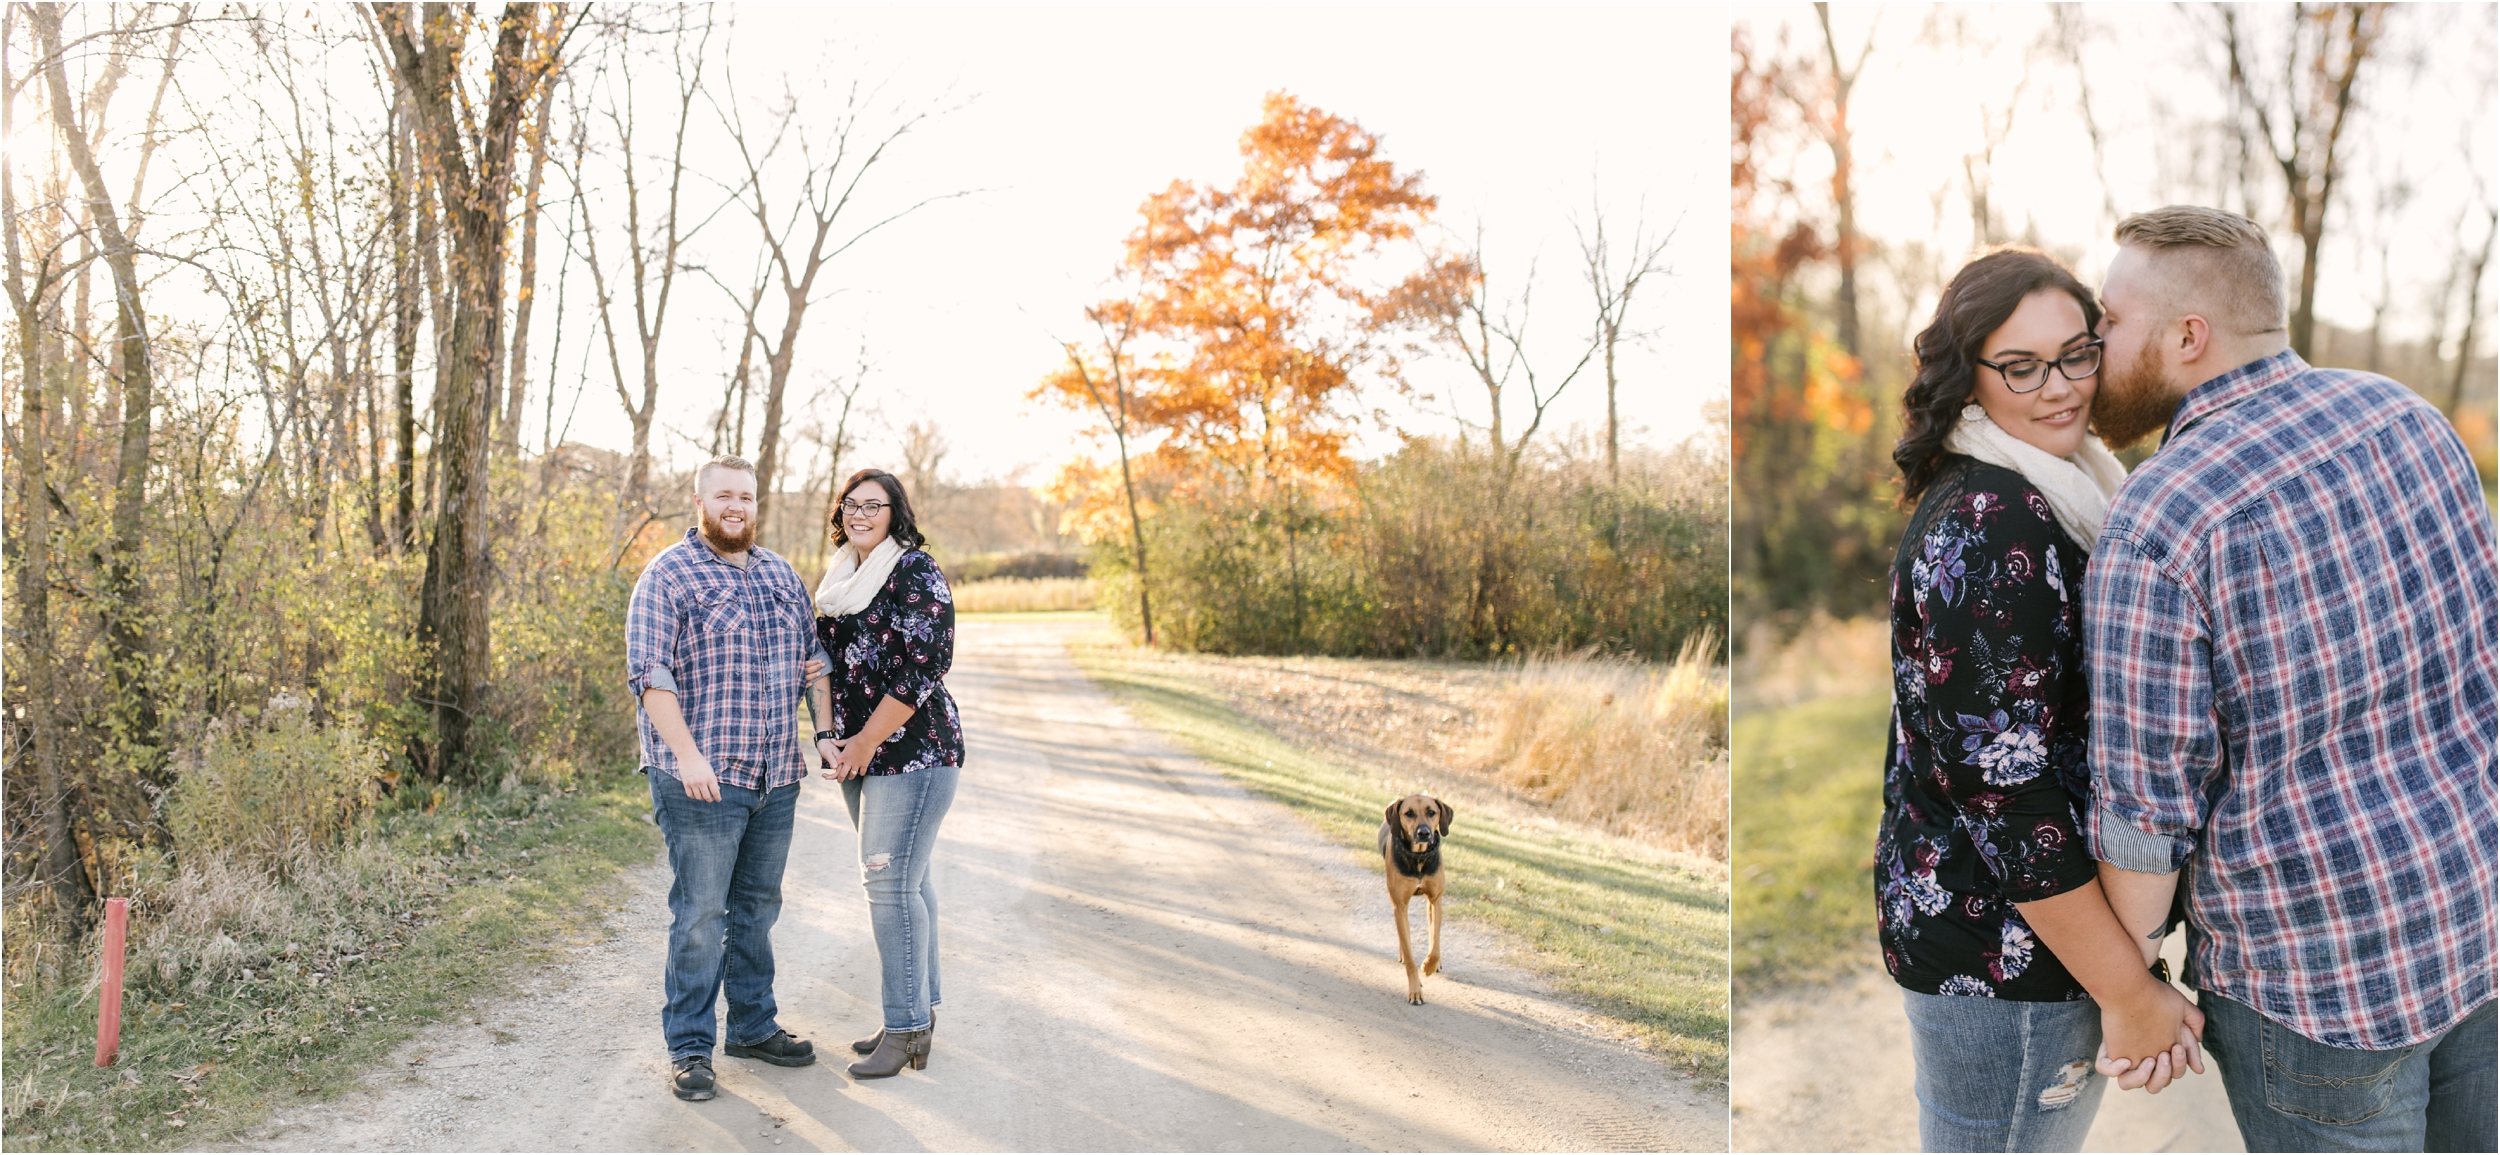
(2425, 115)
(1078, 113)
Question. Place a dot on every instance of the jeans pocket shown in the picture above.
(2327, 1084)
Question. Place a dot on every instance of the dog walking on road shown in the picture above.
(1410, 849)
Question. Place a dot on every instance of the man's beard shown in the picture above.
(718, 535)
(2133, 401)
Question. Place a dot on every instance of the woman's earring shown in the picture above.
(1973, 412)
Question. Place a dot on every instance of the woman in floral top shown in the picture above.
(1991, 915)
(895, 743)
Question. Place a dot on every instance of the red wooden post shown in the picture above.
(108, 1013)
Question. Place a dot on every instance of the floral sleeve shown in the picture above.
(1997, 590)
(924, 621)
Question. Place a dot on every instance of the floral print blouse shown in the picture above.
(900, 645)
(1985, 782)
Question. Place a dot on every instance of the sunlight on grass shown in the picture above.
(1643, 941)
(1809, 788)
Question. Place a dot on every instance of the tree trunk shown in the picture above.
(519, 360)
(452, 623)
(2473, 316)
(133, 707)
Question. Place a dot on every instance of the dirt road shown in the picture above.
(1137, 955)
(1829, 1070)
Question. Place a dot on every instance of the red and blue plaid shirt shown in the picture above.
(732, 643)
(2290, 624)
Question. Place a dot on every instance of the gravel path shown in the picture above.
(1138, 956)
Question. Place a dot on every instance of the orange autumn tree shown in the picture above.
(1250, 320)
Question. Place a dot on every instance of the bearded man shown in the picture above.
(715, 638)
(2291, 622)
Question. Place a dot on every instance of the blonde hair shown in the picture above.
(2216, 264)
(723, 461)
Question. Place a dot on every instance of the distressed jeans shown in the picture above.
(726, 858)
(2000, 1075)
(897, 816)
(2291, 1093)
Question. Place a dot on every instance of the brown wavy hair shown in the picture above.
(904, 529)
(1974, 305)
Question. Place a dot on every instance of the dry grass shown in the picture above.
(1637, 748)
(1570, 739)
(1024, 595)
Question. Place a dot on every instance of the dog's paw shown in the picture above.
(1432, 965)
(1415, 997)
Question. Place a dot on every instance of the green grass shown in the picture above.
(1809, 788)
(1639, 939)
(513, 877)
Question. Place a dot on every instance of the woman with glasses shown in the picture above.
(1992, 918)
(895, 744)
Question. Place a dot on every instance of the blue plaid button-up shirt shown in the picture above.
(2290, 624)
(732, 642)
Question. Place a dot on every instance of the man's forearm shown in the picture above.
(670, 721)
(2142, 904)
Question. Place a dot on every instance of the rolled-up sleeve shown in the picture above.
(651, 627)
(2156, 743)
(926, 624)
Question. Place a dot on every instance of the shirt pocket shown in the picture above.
(718, 610)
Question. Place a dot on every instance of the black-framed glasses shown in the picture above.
(2028, 374)
(864, 508)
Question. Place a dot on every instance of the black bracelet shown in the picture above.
(823, 735)
(2161, 969)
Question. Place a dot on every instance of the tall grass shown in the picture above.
(1638, 748)
(1024, 595)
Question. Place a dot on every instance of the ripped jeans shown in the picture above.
(897, 817)
(2000, 1075)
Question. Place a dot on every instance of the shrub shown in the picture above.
(266, 794)
(1032, 563)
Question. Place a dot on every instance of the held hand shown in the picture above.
(697, 777)
(2156, 1016)
(815, 669)
(852, 757)
(831, 752)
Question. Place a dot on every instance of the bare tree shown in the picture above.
(2473, 312)
(802, 239)
(838, 443)
(1613, 289)
(540, 127)
(2301, 118)
(424, 48)
(652, 250)
(1830, 120)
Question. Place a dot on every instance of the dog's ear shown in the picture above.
(1446, 814)
(1391, 815)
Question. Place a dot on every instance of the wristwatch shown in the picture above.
(2161, 969)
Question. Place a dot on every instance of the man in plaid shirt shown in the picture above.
(2290, 623)
(715, 638)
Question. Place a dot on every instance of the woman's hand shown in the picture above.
(2149, 1037)
(809, 673)
(850, 757)
(831, 751)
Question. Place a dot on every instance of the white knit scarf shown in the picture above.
(851, 584)
(2078, 487)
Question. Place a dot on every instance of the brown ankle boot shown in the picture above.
(895, 1051)
(869, 1044)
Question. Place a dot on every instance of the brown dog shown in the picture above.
(1410, 850)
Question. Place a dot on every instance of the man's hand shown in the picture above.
(2149, 1037)
(696, 776)
(831, 751)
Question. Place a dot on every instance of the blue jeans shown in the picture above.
(727, 857)
(2000, 1075)
(897, 817)
(2292, 1093)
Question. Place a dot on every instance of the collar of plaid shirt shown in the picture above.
(2231, 388)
